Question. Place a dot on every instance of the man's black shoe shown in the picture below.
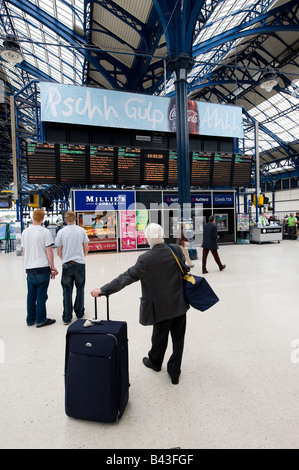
(174, 380)
(148, 363)
(46, 323)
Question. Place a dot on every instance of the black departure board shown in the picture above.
(200, 169)
(153, 167)
(102, 164)
(242, 170)
(172, 168)
(72, 164)
(222, 169)
(41, 163)
(128, 165)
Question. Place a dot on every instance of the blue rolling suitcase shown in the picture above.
(192, 253)
(96, 369)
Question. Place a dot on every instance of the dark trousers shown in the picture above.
(176, 327)
(205, 253)
(37, 295)
(73, 274)
(292, 232)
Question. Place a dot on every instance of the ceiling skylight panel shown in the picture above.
(19, 25)
(64, 14)
(283, 105)
(278, 98)
(224, 23)
(288, 125)
(46, 6)
(66, 58)
(35, 35)
(55, 74)
(43, 67)
(54, 61)
(50, 35)
(260, 117)
(53, 54)
(13, 76)
(276, 128)
(294, 98)
(52, 50)
(293, 115)
(270, 111)
(68, 69)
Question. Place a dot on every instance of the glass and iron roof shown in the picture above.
(124, 45)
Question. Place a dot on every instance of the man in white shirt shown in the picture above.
(37, 244)
(72, 247)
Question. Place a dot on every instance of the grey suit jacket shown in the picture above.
(162, 295)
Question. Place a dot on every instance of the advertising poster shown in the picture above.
(142, 221)
(98, 107)
(243, 228)
(2, 231)
(128, 230)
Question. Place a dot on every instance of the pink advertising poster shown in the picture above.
(128, 230)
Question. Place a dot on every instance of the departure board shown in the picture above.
(172, 168)
(242, 170)
(72, 164)
(222, 169)
(41, 163)
(153, 167)
(128, 165)
(102, 164)
(200, 168)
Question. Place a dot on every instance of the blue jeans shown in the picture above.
(73, 274)
(37, 295)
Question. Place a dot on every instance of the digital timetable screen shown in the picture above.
(128, 165)
(172, 168)
(103, 164)
(41, 163)
(222, 169)
(153, 168)
(201, 169)
(102, 159)
(72, 164)
(242, 170)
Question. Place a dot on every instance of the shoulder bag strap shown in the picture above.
(177, 260)
(186, 276)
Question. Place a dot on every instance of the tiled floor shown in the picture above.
(239, 386)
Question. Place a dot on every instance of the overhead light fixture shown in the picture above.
(11, 51)
(268, 81)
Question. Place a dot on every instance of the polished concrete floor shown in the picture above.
(239, 387)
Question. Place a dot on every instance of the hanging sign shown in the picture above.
(108, 108)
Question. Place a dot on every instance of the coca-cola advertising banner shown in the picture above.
(96, 107)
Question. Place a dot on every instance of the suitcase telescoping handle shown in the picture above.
(96, 308)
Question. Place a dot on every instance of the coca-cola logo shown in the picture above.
(172, 114)
(192, 115)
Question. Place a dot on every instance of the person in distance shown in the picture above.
(209, 242)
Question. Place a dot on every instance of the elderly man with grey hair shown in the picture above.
(162, 302)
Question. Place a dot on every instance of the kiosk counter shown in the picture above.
(270, 233)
